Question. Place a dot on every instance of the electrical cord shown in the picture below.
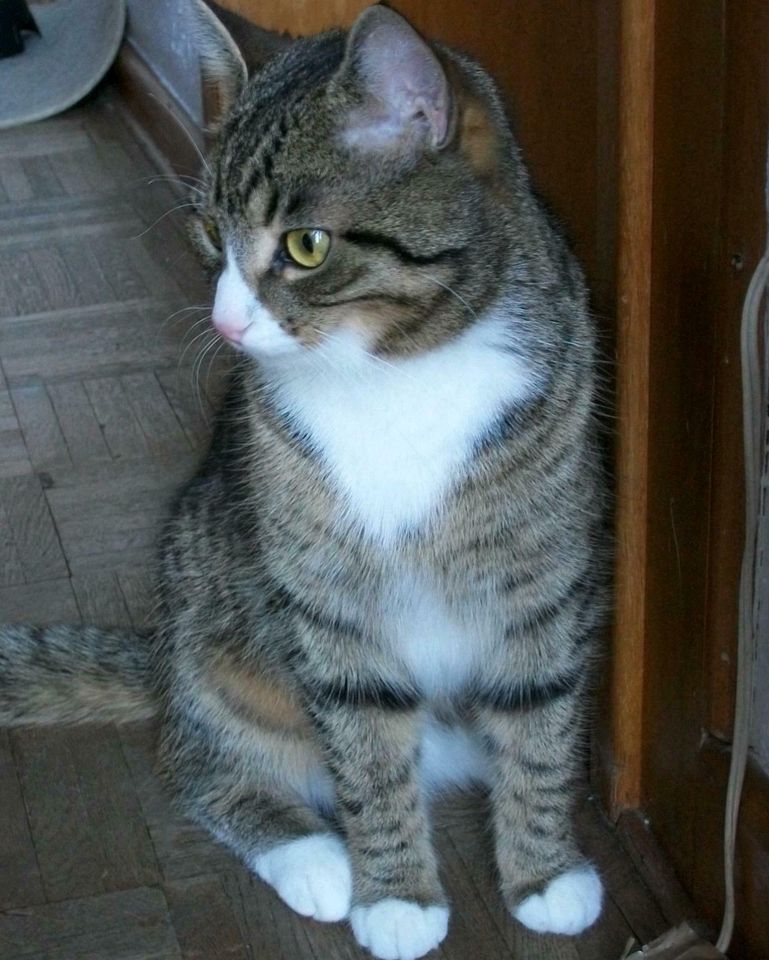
(754, 407)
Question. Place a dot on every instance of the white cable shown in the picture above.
(754, 419)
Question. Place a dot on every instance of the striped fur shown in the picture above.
(320, 655)
(63, 674)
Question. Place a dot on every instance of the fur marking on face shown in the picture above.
(240, 317)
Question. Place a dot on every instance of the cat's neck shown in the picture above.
(397, 434)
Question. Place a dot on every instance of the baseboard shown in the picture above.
(174, 139)
(655, 868)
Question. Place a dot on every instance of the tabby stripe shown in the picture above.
(377, 853)
(527, 696)
(538, 768)
(367, 239)
(272, 206)
(514, 582)
(544, 615)
(252, 183)
(349, 693)
(538, 830)
(371, 297)
(316, 617)
(296, 200)
(513, 421)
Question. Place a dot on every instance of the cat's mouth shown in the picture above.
(258, 336)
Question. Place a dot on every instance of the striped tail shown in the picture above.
(70, 674)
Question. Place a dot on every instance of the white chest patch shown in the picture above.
(439, 652)
(396, 435)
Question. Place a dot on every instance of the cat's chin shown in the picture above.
(270, 352)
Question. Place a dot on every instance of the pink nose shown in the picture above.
(228, 326)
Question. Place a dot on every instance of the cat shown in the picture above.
(388, 576)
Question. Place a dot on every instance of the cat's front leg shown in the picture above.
(534, 735)
(371, 736)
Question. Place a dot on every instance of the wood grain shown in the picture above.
(204, 920)
(20, 881)
(129, 925)
(633, 305)
(32, 528)
(83, 812)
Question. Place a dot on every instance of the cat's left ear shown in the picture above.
(406, 97)
(222, 64)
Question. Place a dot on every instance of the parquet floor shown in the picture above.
(99, 421)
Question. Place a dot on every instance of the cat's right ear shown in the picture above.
(222, 65)
(405, 96)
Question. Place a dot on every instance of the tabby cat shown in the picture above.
(387, 576)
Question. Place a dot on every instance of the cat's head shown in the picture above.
(357, 189)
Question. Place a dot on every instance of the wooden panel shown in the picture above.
(189, 403)
(20, 883)
(78, 422)
(634, 292)
(119, 426)
(741, 244)
(53, 603)
(138, 588)
(111, 509)
(86, 821)
(204, 920)
(686, 218)
(100, 599)
(32, 529)
(154, 413)
(751, 939)
(131, 925)
(42, 432)
(706, 163)
(11, 570)
(15, 460)
(61, 343)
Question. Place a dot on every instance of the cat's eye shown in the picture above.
(307, 247)
(212, 232)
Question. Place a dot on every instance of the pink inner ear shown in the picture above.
(408, 94)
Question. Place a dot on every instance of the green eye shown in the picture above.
(212, 232)
(308, 247)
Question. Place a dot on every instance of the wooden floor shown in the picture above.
(102, 411)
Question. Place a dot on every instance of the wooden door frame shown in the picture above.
(694, 120)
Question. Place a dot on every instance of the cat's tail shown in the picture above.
(71, 674)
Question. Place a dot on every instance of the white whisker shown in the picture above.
(177, 314)
(194, 339)
(453, 293)
(206, 390)
(183, 125)
(179, 206)
(215, 343)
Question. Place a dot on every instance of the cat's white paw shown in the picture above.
(399, 929)
(569, 904)
(312, 874)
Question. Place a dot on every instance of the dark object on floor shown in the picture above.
(76, 43)
(15, 20)
(682, 943)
